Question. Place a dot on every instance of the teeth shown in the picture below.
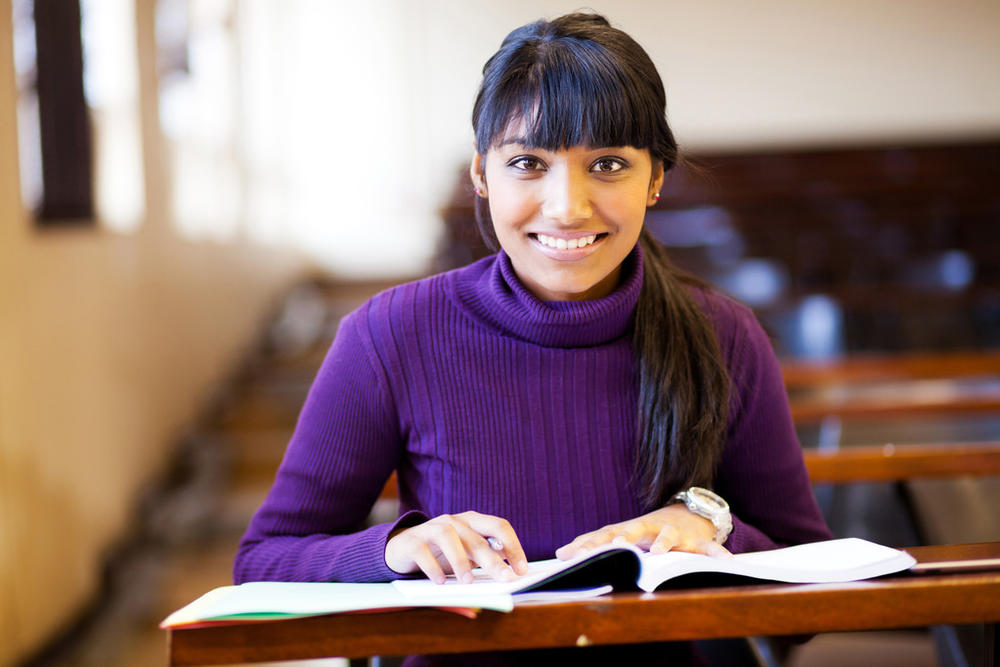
(563, 244)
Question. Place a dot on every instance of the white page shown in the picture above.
(847, 559)
(298, 599)
(561, 595)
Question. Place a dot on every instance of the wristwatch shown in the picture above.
(709, 505)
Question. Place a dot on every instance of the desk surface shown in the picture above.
(765, 609)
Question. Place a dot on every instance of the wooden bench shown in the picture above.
(949, 494)
(894, 463)
(880, 387)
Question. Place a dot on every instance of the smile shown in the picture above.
(566, 244)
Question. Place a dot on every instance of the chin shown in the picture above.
(572, 291)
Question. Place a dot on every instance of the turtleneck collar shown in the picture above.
(493, 294)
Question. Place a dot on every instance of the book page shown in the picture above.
(848, 559)
(833, 560)
(274, 599)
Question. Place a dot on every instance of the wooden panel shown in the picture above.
(899, 462)
(813, 410)
(880, 368)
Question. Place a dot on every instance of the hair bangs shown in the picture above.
(567, 93)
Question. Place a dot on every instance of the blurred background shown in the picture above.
(192, 192)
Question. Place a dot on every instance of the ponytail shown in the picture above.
(683, 382)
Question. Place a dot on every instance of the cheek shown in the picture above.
(509, 209)
(625, 209)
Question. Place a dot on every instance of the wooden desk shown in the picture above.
(732, 611)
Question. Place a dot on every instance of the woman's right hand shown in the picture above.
(456, 543)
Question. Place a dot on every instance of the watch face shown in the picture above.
(709, 500)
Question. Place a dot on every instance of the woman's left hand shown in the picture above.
(670, 528)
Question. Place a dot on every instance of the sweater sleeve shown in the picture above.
(311, 526)
(762, 474)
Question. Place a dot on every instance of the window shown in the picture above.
(77, 78)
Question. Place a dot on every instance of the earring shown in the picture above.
(656, 197)
(480, 193)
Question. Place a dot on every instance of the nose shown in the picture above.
(567, 197)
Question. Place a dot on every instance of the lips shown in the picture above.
(567, 247)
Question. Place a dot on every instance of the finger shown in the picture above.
(479, 550)
(447, 539)
(492, 526)
(514, 556)
(667, 539)
(713, 549)
(574, 547)
(427, 563)
(588, 542)
(639, 533)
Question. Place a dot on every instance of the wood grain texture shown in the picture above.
(902, 462)
(911, 366)
(890, 406)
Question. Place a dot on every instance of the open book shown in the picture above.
(621, 567)
(626, 567)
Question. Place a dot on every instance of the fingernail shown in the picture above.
(466, 577)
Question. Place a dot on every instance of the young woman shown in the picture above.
(572, 389)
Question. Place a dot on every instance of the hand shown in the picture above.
(455, 543)
(673, 527)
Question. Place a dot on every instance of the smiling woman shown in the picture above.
(570, 390)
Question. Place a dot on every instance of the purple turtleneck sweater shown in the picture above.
(484, 398)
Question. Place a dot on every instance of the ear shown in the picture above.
(477, 172)
(655, 183)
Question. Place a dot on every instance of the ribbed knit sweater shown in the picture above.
(484, 398)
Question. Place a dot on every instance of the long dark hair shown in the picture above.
(575, 81)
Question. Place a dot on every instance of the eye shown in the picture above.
(526, 163)
(608, 165)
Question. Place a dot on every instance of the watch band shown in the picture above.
(710, 505)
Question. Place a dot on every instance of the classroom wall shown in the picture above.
(109, 345)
